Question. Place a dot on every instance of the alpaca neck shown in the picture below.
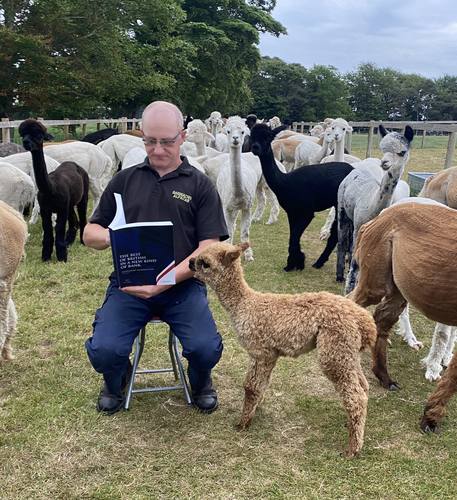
(270, 169)
(232, 289)
(339, 150)
(40, 171)
(200, 146)
(235, 171)
(322, 153)
(388, 184)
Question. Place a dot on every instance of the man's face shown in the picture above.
(162, 138)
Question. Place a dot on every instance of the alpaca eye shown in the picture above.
(402, 153)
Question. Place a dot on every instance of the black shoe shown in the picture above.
(109, 403)
(112, 403)
(205, 400)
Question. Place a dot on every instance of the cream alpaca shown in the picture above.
(273, 325)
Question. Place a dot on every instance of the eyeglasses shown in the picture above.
(149, 141)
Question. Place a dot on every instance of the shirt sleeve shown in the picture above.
(210, 215)
(106, 209)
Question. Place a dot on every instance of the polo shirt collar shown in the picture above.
(185, 168)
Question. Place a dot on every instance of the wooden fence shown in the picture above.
(447, 127)
(121, 123)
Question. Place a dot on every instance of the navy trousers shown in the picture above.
(118, 321)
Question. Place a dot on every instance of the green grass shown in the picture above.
(53, 444)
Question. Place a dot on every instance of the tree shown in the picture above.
(444, 101)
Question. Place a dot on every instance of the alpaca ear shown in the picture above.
(382, 130)
(244, 246)
(232, 255)
(276, 130)
(48, 137)
(210, 136)
(409, 133)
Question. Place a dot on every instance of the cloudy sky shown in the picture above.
(411, 36)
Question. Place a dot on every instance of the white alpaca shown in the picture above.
(199, 135)
(91, 158)
(216, 126)
(16, 187)
(117, 146)
(237, 183)
(338, 130)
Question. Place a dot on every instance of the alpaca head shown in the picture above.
(33, 134)
(197, 132)
(395, 147)
(251, 120)
(338, 129)
(274, 122)
(262, 136)
(215, 122)
(217, 262)
(236, 129)
(317, 130)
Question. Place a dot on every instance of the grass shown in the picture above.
(53, 444)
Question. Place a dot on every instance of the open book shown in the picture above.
(143, 252)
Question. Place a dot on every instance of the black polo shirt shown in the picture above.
(185, 196)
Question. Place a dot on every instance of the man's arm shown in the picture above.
(182, 273)
(96, 236)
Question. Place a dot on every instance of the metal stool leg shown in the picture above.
(177, 368)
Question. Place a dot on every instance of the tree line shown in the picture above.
(84, 59)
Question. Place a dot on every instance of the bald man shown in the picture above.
(164, 187)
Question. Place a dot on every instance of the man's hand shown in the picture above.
(145, 291)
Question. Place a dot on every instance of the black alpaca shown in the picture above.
(58, 192)
(300, 193)
(100, 135)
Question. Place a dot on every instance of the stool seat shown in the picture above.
(176, 368)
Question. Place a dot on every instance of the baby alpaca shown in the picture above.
(272, 325)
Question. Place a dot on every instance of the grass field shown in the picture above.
(53, 444)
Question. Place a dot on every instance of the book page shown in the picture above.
(119, 216)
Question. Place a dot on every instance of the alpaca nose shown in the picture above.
(192, 264)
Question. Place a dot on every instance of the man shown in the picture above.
(163, 187)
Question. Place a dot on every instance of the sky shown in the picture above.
(411, 36)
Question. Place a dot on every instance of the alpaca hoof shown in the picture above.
(318, 265)
(339, 279)
(393, 386)
(428, 426)
(242, 426)
(349, 454)
(416, 346)
(289, 268)
(324, 235)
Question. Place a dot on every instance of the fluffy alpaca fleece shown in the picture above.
(273, 325)
(13, 234)
(407, 253)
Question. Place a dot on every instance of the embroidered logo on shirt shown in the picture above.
(182, 196)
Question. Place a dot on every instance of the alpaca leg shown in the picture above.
(435, 408)
(261, 200)
(255, 385)
(331, 244)
(48, 234)
(35, 212)
(230, 219)
(344, 232)
(244, 236)
(4, 299)
(326, 228)
(450, 347)
(386, 315)
(82, 215)
(96, 190)
(296, 258)
(440, 341)
(61, 246)
(274, 206)
(406, 332)
(72, 227)
(6, 351)
(342, 367)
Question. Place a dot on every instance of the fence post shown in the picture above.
(98, 125)
(424, 132)
(83, 128)
(450, 149)
(370, 139)
(66, 130)
(6, 132)
(302, 127)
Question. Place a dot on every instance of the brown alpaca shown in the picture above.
(13, 234)
(408, 253)
(273, 325)
(442, 187)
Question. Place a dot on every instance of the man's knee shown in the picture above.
(205, 354)
(105, 356)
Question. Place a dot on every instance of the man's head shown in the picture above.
(163, 134)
